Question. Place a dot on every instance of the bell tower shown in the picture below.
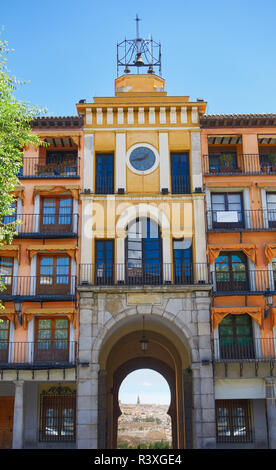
(138, 53)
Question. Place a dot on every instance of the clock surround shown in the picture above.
(142, 158)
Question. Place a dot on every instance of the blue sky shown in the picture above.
(221, 50)
(148, 384)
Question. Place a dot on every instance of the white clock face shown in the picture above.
(142, 158)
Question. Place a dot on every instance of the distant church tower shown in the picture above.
(138, 400)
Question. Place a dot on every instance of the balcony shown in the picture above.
(143, 274)
(181, 184)
(251, 350)
(38, 288)
(39, 226)
(243, 220)
(242, 164)
(38, 354)
(61, 166)
(229, 282)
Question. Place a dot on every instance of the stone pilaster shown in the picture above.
(18, 416)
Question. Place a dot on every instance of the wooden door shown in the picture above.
(6, 422)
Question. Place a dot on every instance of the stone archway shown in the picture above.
(142, 363)
(125, 356)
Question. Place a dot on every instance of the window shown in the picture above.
(54, 274)
(4, 340)
(183, 262)
(227, 210)
(6, 273)
(268, 159)
(233, 421)
(56, 215)
(104, 261)
(236, 337)
(58, 414)
(271, 209)
(104, 174)
(180, 173)
(8, 219)
(231, 272)
(143, 252)
(52, 340)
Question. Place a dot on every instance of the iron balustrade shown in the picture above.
(36, 225)
(144, 274)
(43, 286)
(244, 349)
(104, 185)
(247, 220)
(232, 281)
(40, 167)
(245, 164)
(40, 352)
(181, 184)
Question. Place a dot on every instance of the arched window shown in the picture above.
(143, 252)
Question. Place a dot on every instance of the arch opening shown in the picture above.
(144, 401)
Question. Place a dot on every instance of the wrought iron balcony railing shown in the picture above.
(38, 167)
(246, 164)
(234, 281)
(37, 353)
(243, 220)
(104, 184)
(143, 274)
(244, 349)
(180, 184)
(46, 287)
(38, 225)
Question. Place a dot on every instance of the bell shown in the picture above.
(139, 61)
(150, 70)
(127, 69)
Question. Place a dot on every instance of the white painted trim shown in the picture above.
(18, 214)
(252, 280)
(88, 176)
(15, 277)
(120, 170)
(257, 339)
(196, 170)
(216, 344)
(167, 262)
(209, 208)
(11, 342)
(247, 207)
(173, 115)
(183, 115)
(134, 170)
(99, 118)
(31, 339)
(152, 115)
(73, 276)
(36, 213)
(194, 114)
(88, 116)
(141, 116)
(270, 276)
(75, 215)
(33, 275)
(144, 129)
(264, 207)
(162, 115)
(120, 252)
(165, 171)
(130, 116)
(86, 231)
(120, 116)
(109, 116)
(71, 343)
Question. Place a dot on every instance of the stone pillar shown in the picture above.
(102, 424)
(188, 407)
(203, 380)
(87, 389)
(271, 413)
(18, 422)
(87, 407)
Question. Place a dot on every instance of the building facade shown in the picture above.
(39, 327)
(239, 176)
(144, 285)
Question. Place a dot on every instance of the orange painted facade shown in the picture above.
(248, 139)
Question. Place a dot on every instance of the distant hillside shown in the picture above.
(142, 425)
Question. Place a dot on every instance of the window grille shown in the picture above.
(233, 421)
(58, 415)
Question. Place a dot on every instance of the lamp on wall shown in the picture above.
(269, 303)
(18, 310)
(144, 341)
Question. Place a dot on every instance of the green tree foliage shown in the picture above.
(15, 135)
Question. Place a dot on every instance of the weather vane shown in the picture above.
(139, 53)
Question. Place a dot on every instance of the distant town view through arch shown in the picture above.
(144, 401)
